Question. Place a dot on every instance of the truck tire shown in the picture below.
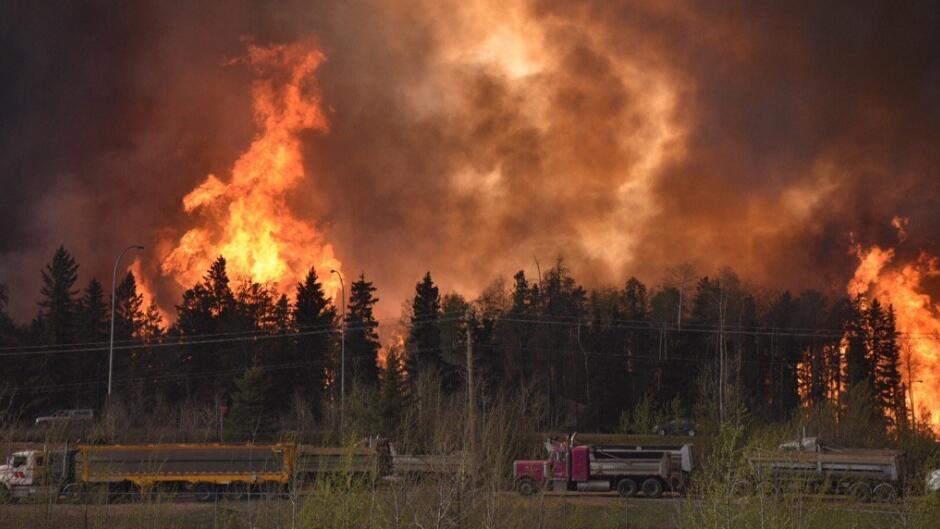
(526, 486)
(652, 488)
(6, 496)
(860, 491)
(206, 492)
(73, 493)
(885, 493)
(235, 491)
(626, 487)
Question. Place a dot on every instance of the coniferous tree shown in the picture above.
(888, 387)
(57, 324)
(424, 336)
(93, 314)
(858, 368)
(393, 392)
(58, 304)
(781, 357)
(128, 321)
(315, 316)
(208, 309)
(362, 341)
(515, 333)
(94, 320)
(128, 309)
(252, 417)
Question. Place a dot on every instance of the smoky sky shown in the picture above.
(471, 138)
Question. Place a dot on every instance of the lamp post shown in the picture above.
(342, 362)
(111, 346)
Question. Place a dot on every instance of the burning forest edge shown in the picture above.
(292, 175)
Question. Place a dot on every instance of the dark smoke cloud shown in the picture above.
(793, 127)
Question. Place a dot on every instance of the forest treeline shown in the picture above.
(604, 359)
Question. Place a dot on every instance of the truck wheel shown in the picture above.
(860, 491)
(885, 493)
(6, 496)
(206, 492)
(652, 488)
(526, 486)
(236, 491)
(73, 493)
(626, 487)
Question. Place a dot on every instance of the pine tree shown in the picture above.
(58, 303)
(128, 309)
(362, 341)
(251, 417)
(151, 324)
(94, 319)
(208, 308)
(888, 387)
(393, 391)
(93, 314)
(314, 315)
(128, 321)
(858, 368)
(57, 324)
(219, 290)
(514, 334)
(424, 336)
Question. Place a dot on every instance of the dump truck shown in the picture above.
(205, 471)
(106, 471)
(811, 465)
(627, 469)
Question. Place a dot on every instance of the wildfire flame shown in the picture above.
(248, 219)
(918, 317)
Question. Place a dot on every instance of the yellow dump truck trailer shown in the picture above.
(211, 467)
(206, 470)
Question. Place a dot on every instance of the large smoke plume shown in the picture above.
(467, 138)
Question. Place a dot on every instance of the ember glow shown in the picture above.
(248, 219)
(918, 318)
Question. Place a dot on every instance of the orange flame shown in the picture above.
(248, 219)
(918, 317)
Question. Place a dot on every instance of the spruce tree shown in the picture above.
(888, 388)
(128, 320)
(251, 418)
(424, 336)
(315, 318)
(362, 341)
(57, 324)
(208, 308)
(94, 314)
(858, 368)
(393, 391)
(58, 304)
(128, 309)
(94, 321)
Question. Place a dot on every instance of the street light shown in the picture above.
(111, 346)
(342, 369)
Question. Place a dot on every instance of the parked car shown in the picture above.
(67, 417)
(676, 427)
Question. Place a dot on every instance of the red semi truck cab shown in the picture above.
(628, 469)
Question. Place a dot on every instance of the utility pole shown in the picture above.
(342, 362)
(721, 355)
(471, 404)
